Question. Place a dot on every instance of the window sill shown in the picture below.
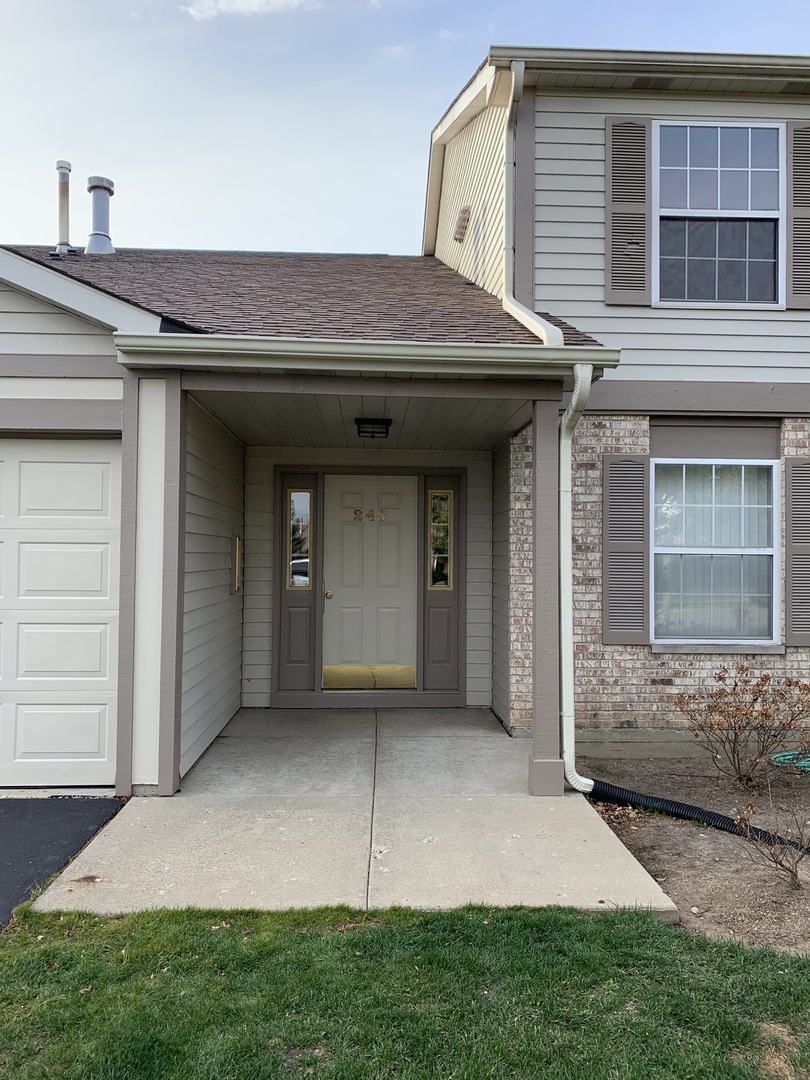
(682, 647)
(716, 305)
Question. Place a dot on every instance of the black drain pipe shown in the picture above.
(609, 793)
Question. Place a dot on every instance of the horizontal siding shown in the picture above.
(473, 176)
(30, 327)
(656, 343)
(259, 471)
(212, 623)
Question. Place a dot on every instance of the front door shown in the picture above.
(370, 582)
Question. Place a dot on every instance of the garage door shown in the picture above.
(59, 532)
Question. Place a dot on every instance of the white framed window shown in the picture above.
(714, 564)
(719, 197)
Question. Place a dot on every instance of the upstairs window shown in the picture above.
(719, 205)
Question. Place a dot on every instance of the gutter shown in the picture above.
(211, 352)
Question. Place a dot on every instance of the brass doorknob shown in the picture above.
(328, 596)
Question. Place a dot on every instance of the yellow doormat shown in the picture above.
(369, 677)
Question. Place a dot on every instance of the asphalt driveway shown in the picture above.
(38, 837)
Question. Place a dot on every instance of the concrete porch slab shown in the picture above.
(504, 850)
(221, 852)
(369, 810)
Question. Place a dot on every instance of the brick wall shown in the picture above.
(617, 686)
(630, 686)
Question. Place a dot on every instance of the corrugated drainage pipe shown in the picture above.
(605, 792)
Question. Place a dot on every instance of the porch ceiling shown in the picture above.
(325, 420)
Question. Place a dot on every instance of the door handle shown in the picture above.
(328, 595)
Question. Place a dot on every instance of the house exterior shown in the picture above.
(660, 202)
(196, 518)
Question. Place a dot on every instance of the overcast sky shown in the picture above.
(283, 124)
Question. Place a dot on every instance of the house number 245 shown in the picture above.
(369, 515)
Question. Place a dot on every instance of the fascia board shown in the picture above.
(614, 61)
(292, 355)
(74, 296)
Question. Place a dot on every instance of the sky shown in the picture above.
(283, 125)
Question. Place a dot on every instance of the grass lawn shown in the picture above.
(473, 993)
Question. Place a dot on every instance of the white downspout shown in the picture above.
(583, 374)
(546, 331)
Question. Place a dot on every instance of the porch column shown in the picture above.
(546, 775)
(159, 562)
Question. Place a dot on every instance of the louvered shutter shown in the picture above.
(797, 551)
(628, 210)
(625, 550)
(798, 222)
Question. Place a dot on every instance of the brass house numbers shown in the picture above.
(369, 515)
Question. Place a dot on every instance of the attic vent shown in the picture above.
(462, 222)
(650, 82)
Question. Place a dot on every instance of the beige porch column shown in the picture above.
(546, 775)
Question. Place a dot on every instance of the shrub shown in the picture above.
(747, 718)
(786, 847)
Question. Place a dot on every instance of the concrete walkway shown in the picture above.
(369, 808)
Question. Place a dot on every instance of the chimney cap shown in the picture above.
(100, 182)
(63, 166)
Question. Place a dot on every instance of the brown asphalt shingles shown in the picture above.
(352, 297)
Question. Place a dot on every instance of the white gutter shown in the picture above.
(549, 334)
(583, 375)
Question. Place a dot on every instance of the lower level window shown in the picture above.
(714, 545)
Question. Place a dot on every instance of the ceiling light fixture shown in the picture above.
(369, 428)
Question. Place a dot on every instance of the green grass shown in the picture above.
(474, 993)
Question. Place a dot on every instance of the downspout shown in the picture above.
(583, 375)
(546, 331)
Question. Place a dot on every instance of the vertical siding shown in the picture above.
(656, 343)
(473, 176)
(31, 327)
(260, 463)
(500, 582)
(212, 624)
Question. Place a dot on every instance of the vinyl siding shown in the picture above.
(212, 623)
(500, 583)
(656, 343)
(29, 326)
(473, 176)
(259, 495)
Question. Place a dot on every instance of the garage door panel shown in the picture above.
(52, 739)
(77, 571)
(65, 490)
(66, 651)
(59, 570)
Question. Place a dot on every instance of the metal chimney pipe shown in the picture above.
(101, 191)
(63, 170)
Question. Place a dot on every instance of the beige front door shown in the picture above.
(369, 582)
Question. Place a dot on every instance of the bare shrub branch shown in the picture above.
(788, 846)
(747, 718)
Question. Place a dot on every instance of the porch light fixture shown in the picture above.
(369, 428)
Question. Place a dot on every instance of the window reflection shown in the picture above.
(299, 538)
(440, 525)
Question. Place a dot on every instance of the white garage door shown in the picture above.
(59, 531)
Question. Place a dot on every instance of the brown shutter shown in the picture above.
(628, 210)
(625, 550)
(798, 218)
(797, 551)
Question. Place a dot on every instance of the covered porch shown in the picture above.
(250, 427)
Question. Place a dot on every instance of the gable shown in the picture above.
(30, 326)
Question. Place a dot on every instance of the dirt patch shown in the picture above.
(720, 891)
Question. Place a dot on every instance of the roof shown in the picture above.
(271, 294)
